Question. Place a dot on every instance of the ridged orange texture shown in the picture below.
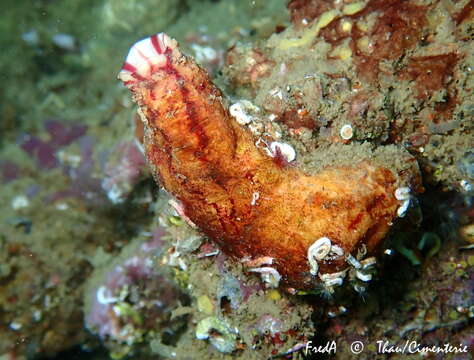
(204, 158)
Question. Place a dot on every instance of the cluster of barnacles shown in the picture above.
(247, 114)
(358, 272)
(359, 269)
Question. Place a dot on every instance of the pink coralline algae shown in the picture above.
(92, 174)
(59, 134)
(83, 181)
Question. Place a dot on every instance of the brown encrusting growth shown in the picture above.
(431, 73)
(466, 12)
(250, 204)
(398, 28)
(304, 11)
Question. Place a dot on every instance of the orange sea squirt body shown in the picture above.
(236, 194)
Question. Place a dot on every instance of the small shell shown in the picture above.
(363, 276)
(15, 326)
(104, 298)
(369, 262)
(360, 288)
(320, 248)
(243, 111)
(270, 276)
(255, 197)
(466, 185)
(337, 250)
(276, 92)
(318, 251)
(20, 202)
(402, 193)
(331, 276)
(346, 132)
(258, 262)
(286, 150)
(314, 267)
(401, 211)
(362, 251)
(334, 282)
(351, 260)
(179, 208)
(218, 332)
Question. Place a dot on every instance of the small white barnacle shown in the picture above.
(104, 298)
(270, 276)
(15, 325)
(243, 111)
(402, 193)
(20, 202)
(369, 262)
(276, 92)
(333, 279)
(351, 260)
(363, 276)
(335, 275)
(402, 210)
(362, 251)
(218, 332)
(334, 282)
(342, 309)
(320, 248)
(286, 150)
(318, 251)
(255, 197)
(466, 185)
(313, 266)
(360, 289)
(346, 132)
(337, 251)
(258, 262)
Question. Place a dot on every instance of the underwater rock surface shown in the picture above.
(318, 85)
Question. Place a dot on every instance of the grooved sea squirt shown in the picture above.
(300, 229)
